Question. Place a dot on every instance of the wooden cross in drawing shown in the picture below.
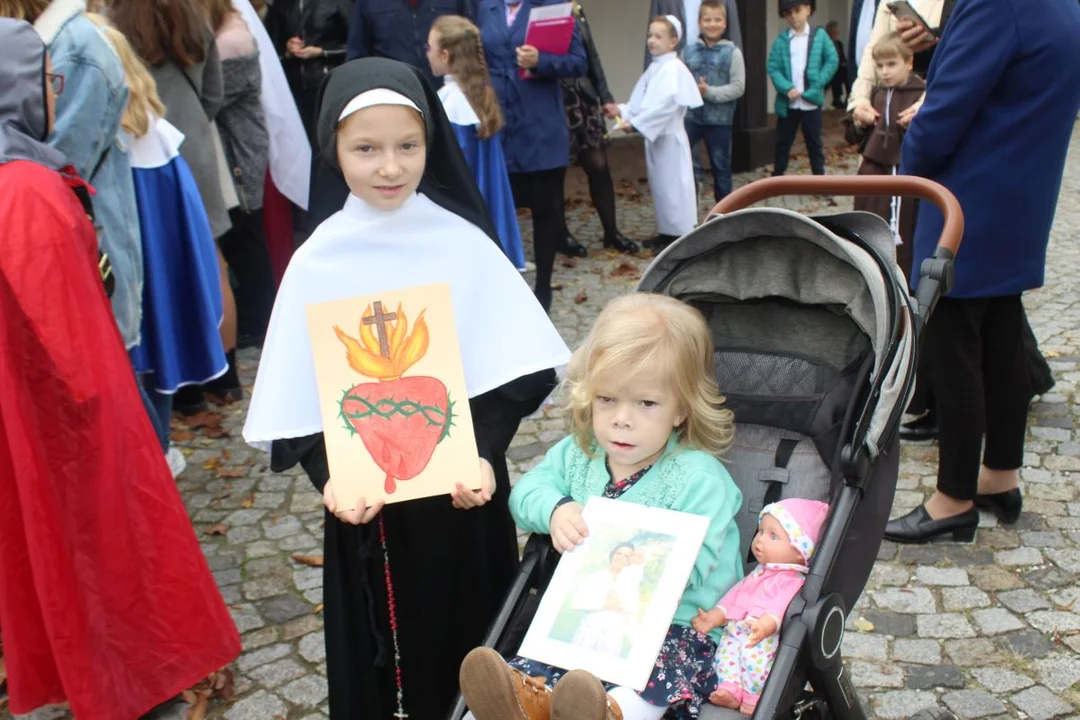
(379, 320)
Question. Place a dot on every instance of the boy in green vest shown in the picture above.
(801, 63)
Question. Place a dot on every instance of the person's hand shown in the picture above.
(293, 45)
(308, 52)
(702, 86)
(360, 515)
(865, 116)
(904, 118)
(527, 57)
(793, 94)
(465, 499)
(706, 622)
(914, 35)
(567, 527)
(761, 628)
(611, 110)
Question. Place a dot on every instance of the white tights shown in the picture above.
(631, 704)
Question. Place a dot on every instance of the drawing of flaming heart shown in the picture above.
(399, 419)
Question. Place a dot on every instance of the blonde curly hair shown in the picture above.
(659, 337)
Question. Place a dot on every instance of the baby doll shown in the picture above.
(753, 609)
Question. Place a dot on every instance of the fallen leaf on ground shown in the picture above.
(864, 625)
(220, 684)
(248, 501)
(312, 560)
(180, 436)
(212, 463)
(204, 419)
(556, 286)
(215, 432)
(233, 472)
(626, 269)
(581, 297)
(568, 262)
(219, 529)
(318, 609)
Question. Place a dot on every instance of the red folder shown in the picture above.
(549, 36)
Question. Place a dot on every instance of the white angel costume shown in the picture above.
(656, 109)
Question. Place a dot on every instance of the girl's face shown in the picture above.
(438, 58)
(632, 421)
(50, 95)
(660, 39)
(382, 151)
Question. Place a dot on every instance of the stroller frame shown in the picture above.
(813, 626)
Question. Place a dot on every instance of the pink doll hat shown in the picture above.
(802, 520)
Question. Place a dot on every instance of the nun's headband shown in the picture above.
(377, 96)
(675, 23)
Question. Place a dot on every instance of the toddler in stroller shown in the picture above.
(815, 342)
(648, 423)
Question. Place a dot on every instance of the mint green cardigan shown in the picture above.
(685, 480)
(821, 64)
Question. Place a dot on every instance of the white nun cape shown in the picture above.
(656, 110)
(360, 250)
(290, 151)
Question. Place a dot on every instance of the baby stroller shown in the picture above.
(816, 342)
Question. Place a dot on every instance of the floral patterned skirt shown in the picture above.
(682, 666)
(585, 119)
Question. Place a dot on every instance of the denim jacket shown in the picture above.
(88, 114)
(725, 77)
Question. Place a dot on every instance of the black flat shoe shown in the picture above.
(623, 244)
(572, 248)
(660, 242)
(922, 429)
(1006, 505)
(918, 527)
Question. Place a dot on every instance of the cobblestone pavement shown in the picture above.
(990, 629)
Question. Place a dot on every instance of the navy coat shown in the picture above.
(536, 136)
(395, 29)
(1001, 102)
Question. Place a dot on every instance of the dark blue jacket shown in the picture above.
(535, 137)
(394, 29)
(1001, 102)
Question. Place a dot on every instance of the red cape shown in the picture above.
(106, 600)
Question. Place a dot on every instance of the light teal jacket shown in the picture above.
(689, 481)
(821, 64)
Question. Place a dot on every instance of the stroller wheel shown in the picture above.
(934, 713)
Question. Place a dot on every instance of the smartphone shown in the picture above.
(902, 9)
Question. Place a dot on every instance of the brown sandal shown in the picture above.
(495, 691)
(579, 695)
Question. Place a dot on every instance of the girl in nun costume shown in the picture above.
(410, 588)
(656, 109)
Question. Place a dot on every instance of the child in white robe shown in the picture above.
(656, 110)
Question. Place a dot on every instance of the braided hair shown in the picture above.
(460, 38)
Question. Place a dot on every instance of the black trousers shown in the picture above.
(542, 193)
(786, 128)
(244, 248)
(978, 370)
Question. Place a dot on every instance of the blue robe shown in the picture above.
(182, 305)
(1001, 102)
(488, 165)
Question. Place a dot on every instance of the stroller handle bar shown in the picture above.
(888, 185)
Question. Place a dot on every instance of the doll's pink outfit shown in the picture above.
(768, 590)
